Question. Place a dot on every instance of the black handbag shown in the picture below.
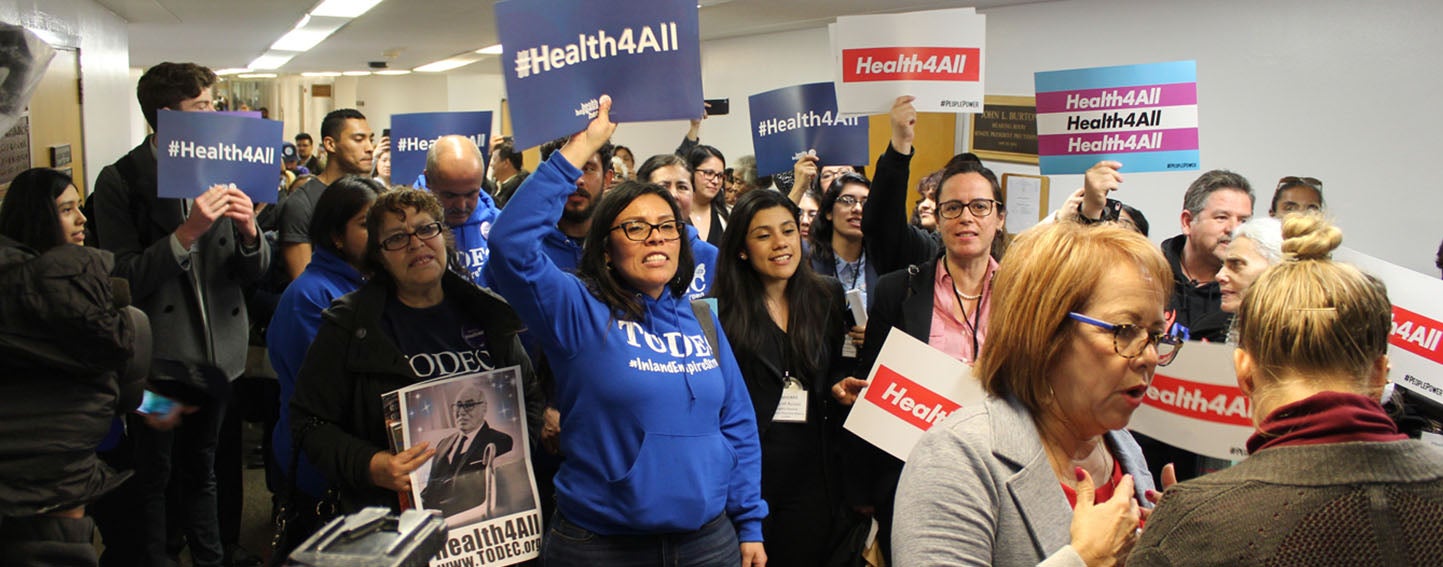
(299, 515)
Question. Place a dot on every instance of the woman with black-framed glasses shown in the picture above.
(936, 285)
(663, 464)
(1042, 471)
(414, 320)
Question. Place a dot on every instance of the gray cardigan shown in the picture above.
(978, 490)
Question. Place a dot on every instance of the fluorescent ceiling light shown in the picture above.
(357, 73)
(231, 71)
(257, 76)
(321, 74)
(344, 8)
(448, 64)
(490, 50)
(393, 72)
(308, 33)
(271, 60)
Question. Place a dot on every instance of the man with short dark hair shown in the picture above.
(188, 262)
(455, 173)
(507, 171)
(1216, 203)
(563, 245)
(347, 139)
(304, 145)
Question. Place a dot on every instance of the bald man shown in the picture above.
(455, 172)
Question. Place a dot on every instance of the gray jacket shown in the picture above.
(201, 320)
(978, 490)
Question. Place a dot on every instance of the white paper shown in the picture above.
(1024, 202)
(935, 29)
(1195, 404)
(919, 387)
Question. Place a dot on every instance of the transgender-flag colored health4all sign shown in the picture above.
(1144, 116)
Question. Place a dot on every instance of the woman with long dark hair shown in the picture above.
(786, 324)
(662, 459)
(63, 346)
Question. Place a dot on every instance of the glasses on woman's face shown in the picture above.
(1129, 341)
(849, 201)
(711, 174)
(640, 231)
(979, 207)
(400, 240)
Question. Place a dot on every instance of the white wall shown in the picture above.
(108, 98)
(1342, 91)
(380, 97)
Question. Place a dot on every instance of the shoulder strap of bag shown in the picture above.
(704, 316)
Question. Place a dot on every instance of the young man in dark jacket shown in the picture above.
(188, 262)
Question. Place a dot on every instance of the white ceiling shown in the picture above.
(409, 33)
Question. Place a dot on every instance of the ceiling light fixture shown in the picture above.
(490, 50)
(357, 73)
(344, 8)
(448, 63)
(231, 71)
(320, 74)
(393, 72)
(271, 60)
(257, 76)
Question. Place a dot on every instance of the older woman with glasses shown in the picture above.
(1329, 479)
(398, 329)
(1042, 472)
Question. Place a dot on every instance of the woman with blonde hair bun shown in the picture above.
(1329, 479)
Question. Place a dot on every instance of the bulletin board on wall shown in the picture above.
(1026, 200)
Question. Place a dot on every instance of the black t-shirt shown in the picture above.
(437, 341)
(295, 213)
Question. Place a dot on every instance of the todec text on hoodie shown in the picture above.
(705, 274)
(658, 431)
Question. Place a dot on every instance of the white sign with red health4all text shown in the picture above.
(1195, 404)
(936, 56)
(912, 387)
(1415, 344)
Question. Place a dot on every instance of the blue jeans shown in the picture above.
(569, 545)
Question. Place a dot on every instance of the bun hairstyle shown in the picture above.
(1309, 318)
(1309, 237)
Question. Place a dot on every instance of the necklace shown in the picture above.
(963, 295)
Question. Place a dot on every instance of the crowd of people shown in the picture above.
(688, 352)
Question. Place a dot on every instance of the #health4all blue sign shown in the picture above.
(196, 150)
(788, 122)
(562, 55)
(412, 135)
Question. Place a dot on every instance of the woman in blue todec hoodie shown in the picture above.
(662, 457)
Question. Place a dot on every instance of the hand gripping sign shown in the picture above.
(787, 122)
(912, 387)
(412, 135)
(195, 150)
(1195, 403)
(1142, 115)
(936, 56)
(562, 55)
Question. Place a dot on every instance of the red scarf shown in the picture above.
(1326, 417)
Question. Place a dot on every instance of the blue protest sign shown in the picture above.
(562, 55)
(196, 150)
(789, 121)
(412, 135)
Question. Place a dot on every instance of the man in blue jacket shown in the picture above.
(455, 172)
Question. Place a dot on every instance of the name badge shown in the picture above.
(793, 406)
(849, 350)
